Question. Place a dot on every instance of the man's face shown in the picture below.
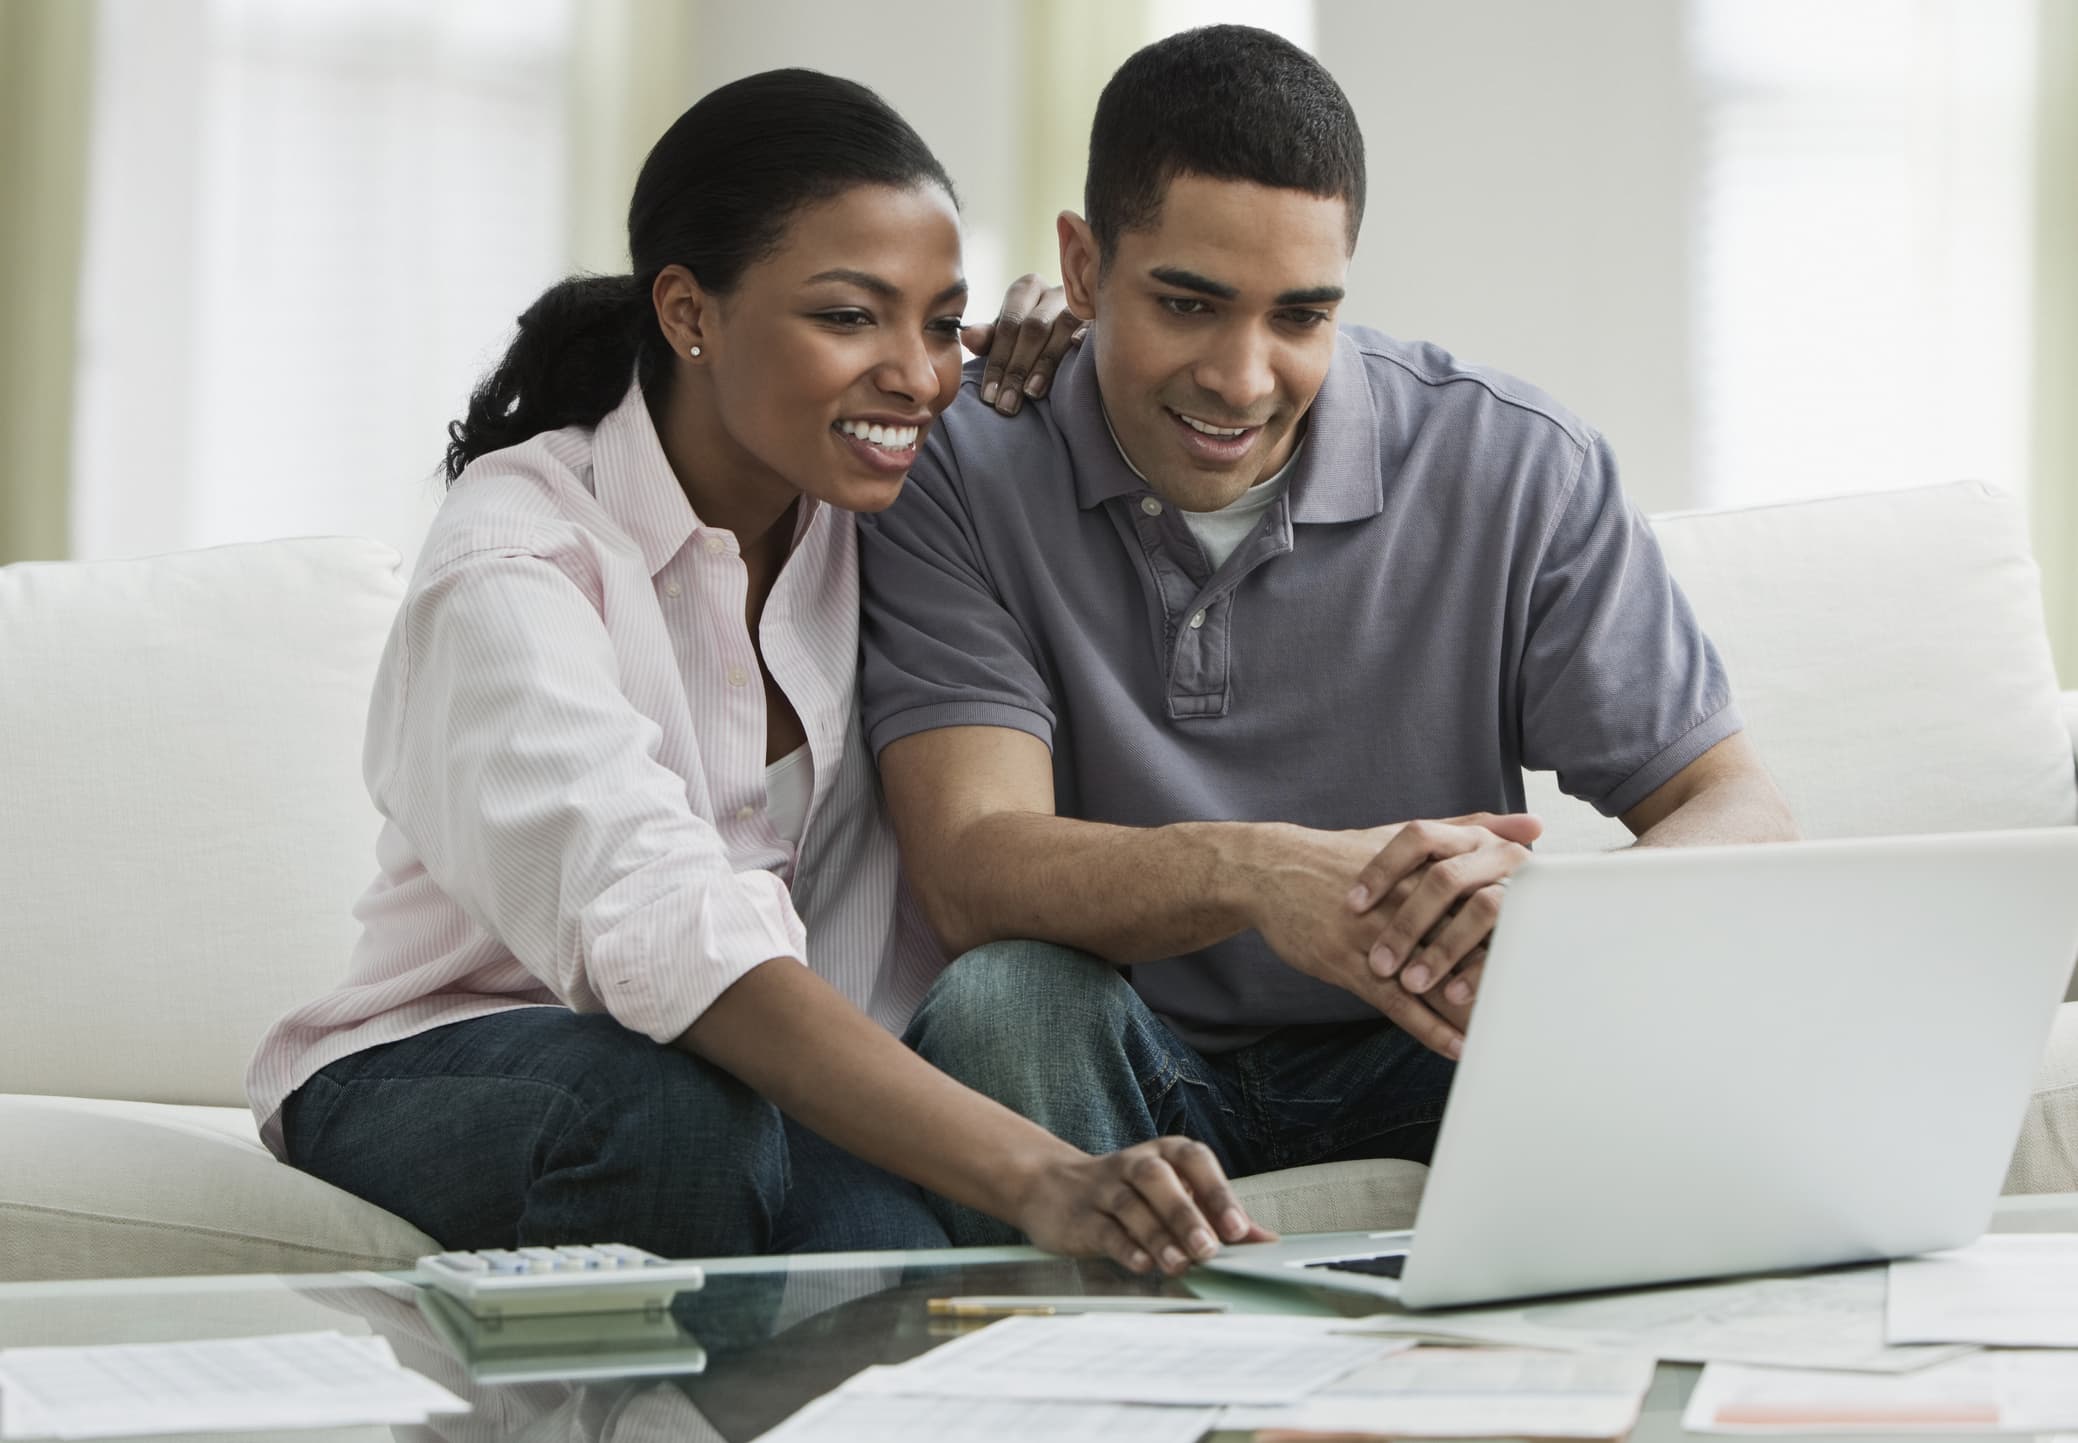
(1215, 329)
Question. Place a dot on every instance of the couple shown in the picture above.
(1175, 666)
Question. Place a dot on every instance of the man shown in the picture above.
(1221, 664)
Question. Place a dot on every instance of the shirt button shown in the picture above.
(1197, 620)
(738, 676)
(1151, 506)
(717, 545)
(744, 814)
(670, 588)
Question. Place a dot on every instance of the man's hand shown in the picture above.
(1300, 885)
(1024, 343)
(1436, 886)
(1163, 1204)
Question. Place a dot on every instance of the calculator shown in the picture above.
(525, 1282)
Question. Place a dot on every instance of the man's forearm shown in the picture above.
(1126, 894)
(1733, 811)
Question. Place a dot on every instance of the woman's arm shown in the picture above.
(799, 1043)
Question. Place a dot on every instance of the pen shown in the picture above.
(1021, 1307)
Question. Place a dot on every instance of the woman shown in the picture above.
(614, 739)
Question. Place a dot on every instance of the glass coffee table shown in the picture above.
(762, 1338)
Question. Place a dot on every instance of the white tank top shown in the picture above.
(789, 783)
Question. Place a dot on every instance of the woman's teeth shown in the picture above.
(1197, 425)
(889, 438)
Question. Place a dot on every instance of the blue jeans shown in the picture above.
(543, 1126)
(1059, 1036)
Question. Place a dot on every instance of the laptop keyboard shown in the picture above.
(1386, 1266)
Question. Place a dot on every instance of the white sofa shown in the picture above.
(183, 831)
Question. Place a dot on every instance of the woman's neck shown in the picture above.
(728, 488)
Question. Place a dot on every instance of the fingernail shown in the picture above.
(1036, 387)
(1006, 404)
(1359, 897)
(1139, 1262)
(1458, 992)
(1382, 960)
(1204, 1244)
(1173, 1260)
(1417, 978)
(1457, 1048)
(988, 394)
(1234, 1225)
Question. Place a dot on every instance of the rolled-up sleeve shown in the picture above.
(1621, 689)
(504, 749)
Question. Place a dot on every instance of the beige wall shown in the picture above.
(1531, 169)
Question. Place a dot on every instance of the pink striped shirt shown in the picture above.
(567, 743)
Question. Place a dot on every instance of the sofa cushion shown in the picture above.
(187, 828)
(98, 1189)
(1888, 653)
(1335, 1197)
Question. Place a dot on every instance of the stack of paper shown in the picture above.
(302, 1380)
(2019, 1290)
(2008, 1392)
(1113, 1379)
(1471, 1393)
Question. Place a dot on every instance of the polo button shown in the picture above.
(1151, 506)
(670, 588)
(738, 676)
(744, 814)
(1197, 620)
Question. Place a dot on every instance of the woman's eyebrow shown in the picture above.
(881, 286)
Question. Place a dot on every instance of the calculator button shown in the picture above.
(465, 1262)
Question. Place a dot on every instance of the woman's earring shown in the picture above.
(694, 352)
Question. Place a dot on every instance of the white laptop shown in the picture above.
(1689, 1063)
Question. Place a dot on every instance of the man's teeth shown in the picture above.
(1200, 426)
(891, 438)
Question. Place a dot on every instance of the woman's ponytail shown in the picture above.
(569, 366)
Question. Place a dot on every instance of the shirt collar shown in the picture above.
(635, 484)
(1335, 476)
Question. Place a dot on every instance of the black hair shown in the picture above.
(715, 196)
(1228, 102)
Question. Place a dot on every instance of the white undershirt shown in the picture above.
(1221, 532)
(789, 783)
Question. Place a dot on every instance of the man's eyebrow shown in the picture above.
(1311, 296)
(1191, 281)
(882, 287)
(1219, 290)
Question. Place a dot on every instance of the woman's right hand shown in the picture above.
(1157, 1205)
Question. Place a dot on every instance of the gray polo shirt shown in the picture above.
(1453, 589)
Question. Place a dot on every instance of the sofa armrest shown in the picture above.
(2071, 719)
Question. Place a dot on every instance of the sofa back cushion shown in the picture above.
(184, 828)
(1889, 655)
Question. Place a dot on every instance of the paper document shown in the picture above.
(1471, 1393)
(1807, 1320)
(2015, 1289)
(863, 1416)
(1987, 1392)
(301, 1380)
(1178, 1359)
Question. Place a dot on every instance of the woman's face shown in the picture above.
(832, 356)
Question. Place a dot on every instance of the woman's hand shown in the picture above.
(1163, 1204)
(1024, 343)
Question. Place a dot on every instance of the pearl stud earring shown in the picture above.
(694, 351)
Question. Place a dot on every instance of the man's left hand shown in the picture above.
(1024, 343)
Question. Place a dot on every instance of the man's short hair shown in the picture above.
(1228, 102)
